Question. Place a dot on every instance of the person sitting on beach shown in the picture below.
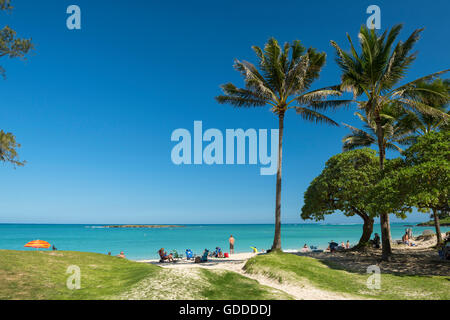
(333, 246)
(218, 253)
(342, 245)
(347, 246)
(376, 241)
(121, 255)
(164, 256)
(305, 248)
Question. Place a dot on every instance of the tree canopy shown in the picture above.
(8, 149)
(344, 185)
(10, 45)
(423, 180)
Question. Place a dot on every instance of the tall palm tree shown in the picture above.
(281, 80)
(372, 76)
(396, 133)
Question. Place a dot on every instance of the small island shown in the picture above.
(443, 222)
(144, 226)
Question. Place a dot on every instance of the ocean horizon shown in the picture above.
(143, 243)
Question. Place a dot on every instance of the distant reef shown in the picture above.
(144, 226)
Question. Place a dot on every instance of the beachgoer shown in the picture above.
(376, 241)
(342, 245)
(333, 246)
(121, 255)
(54, 248)
(164, 256)
(231, 241)
(347, 245)
(405, 239)
(305, 246)
(218, 253)
(109, 253)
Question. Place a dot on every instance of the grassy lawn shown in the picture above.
(42, 275)
(295, 269)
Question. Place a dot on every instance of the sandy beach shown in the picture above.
(419, 259)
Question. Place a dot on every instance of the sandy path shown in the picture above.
(300, 291)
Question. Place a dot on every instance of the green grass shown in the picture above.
(296, 269)
(32, 275)
(443, 222)
(42, 275)
(229, 285)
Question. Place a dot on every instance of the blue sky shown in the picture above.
(94, 109)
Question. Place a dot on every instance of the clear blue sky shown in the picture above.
(94, 109)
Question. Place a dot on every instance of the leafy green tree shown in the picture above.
(372, 76)
(344, 185)
(281, 80)
(8, 149)
(10, 45)
(427, 176)
(424, 179)
(395, 132)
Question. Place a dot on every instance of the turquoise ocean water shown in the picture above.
(144, 243)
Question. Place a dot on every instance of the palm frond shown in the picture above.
(314, 116)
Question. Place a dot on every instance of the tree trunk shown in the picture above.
(277, 238)
(367, 231)
(437, 225)
(367, 228)
(384, 217)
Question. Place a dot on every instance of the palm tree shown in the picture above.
(424, 123)
(394, 130)
(372, 76)
(282, 83)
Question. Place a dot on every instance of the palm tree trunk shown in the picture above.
(384, 217)
(277, 238)
(437, 225)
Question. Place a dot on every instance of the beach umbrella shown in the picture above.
(38, 244)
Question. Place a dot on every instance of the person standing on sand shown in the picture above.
(231, 240)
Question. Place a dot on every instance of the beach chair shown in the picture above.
(189, 254)
(176, 255)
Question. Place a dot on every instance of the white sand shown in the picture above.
(236, 262)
